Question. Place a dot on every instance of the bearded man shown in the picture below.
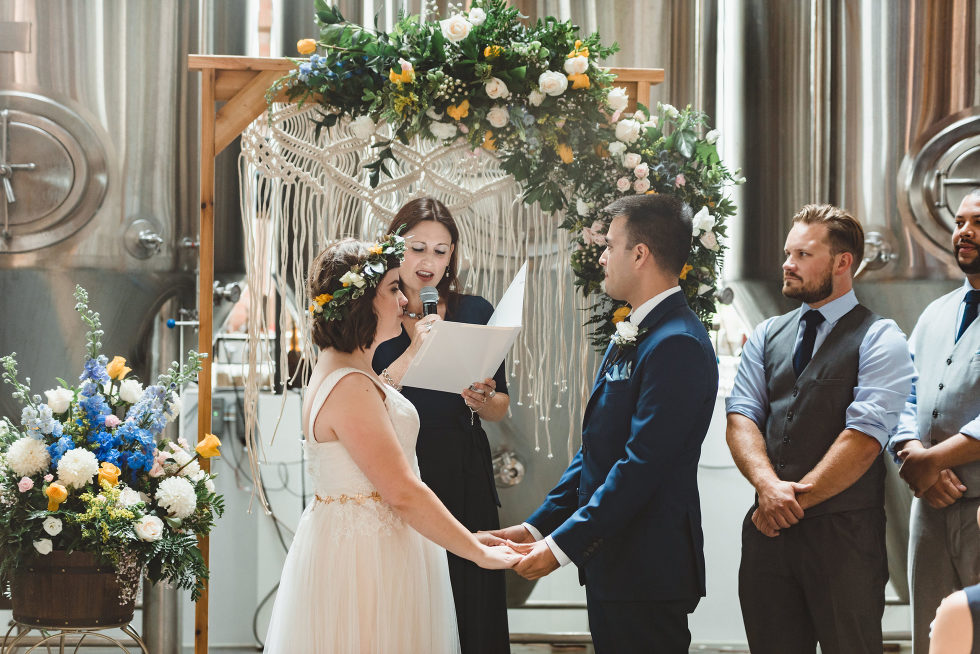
(937, 438)
(818, 392)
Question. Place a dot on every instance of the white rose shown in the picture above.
(670, 110)
(618, 98)
(641, 171)
(581, 207)
(552, 83)
(617, 148)
(455, 28)
(476, 16)
(351, 278)
(712, 136)
(498, 116)
(641, 185)
(703, 221)
(639, 116)
(627, 130)
(710, 241)
(52, 525)
(576, 65)
(433, 114)
(149, 528)
(653, 122)
(128, 497)
(631, 160)
(130, 391)
(43, 546)
(59, 399)
(535, 97)
(496, 88)
(627, 330)
(443, 131)
(623, 184)
(363, 127)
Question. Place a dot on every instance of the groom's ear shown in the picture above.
(640, 252)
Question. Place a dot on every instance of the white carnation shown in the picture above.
(627, 130)
(176, 495)
(77, 468)
(59, 399)
(496, 88)
(130, 391)
(43, 546)
(476, 16)
(631, 160)
(536, 97)
(576, 65)
(182, 458)
(443, 131)
(618, 99)
(52, 525)
(28, 456)
(128, 497)
(455, 28)
(552, 83)
(149, 528)
(498, 116)
(363, 127)
(616, 148)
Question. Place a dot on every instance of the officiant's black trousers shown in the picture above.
(823, 579)
(640, 627)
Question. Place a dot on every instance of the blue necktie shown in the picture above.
(804, 352)
(971, 300)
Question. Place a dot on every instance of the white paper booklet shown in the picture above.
(457, 354)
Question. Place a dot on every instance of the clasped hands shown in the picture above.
(938, 486)
(537, 559)
(779, 506)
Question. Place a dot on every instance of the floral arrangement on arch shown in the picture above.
(88, 469)
(537, 97)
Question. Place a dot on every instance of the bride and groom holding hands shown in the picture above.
(366, 571)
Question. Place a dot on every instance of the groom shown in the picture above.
(626, 512)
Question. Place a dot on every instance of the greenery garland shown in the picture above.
(536, 96)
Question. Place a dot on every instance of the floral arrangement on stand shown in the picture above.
(88, 469)
(537, 97)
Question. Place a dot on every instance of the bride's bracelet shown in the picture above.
(388, 380)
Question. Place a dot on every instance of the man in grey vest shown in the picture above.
(818, 392)
(938, 434)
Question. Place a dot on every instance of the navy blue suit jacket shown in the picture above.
(627, 510)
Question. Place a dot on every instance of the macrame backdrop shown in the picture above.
(300, 193)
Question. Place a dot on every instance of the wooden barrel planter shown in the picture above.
(68, 590)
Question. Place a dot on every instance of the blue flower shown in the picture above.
(305, 69)
(95, 370)
(58, 449)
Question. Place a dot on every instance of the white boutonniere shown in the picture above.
(626, 334)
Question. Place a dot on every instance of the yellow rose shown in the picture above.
(375, 249)
(109, 472)
(306, 46)
(314, 307)
(56, 495)
(565, 152)
(687, 268)
(208, 447)
(579, 81)
(619, 315)
(117, 368)
(403, 77)
(488, 141)
(492, 51)
(323, 298)
(459, 111)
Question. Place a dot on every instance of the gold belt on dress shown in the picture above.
(360, 498)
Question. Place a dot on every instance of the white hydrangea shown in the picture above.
(176, 495)
(77, 467)
(28, 456)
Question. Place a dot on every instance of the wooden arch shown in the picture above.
(232, 96)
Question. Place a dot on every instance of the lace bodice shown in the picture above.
(333, 471)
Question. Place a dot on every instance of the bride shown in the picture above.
(366, 572)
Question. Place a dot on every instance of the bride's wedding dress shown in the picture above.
(358, 580)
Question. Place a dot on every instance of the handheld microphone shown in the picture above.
(430, 300)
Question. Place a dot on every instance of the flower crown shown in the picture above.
(362, 275)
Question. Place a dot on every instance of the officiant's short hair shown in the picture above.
(661, 222)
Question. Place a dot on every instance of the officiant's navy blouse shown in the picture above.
(455, 462)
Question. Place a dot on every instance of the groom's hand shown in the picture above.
(516, 534)
(538, 563)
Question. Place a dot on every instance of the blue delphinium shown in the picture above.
(95, 371)
(149, 412)
(58, 448)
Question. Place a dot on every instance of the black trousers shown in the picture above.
(640, 627)
(822, 580)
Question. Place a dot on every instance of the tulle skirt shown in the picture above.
(357, 580)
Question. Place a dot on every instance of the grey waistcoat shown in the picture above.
(948, 389)
(806, 415)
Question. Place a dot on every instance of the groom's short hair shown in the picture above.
(662, 223)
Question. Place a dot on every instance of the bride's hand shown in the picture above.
(498, 557)
(490, 540)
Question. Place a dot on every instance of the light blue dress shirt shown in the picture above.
(885, 372)
(908, 427)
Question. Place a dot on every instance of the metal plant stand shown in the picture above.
(58, 637)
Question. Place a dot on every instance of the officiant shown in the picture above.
(453, 450)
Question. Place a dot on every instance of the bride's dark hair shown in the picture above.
(358, 327)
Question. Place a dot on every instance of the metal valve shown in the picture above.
(878, 253)
(507, 469)
(228, 293)
(142, 240)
